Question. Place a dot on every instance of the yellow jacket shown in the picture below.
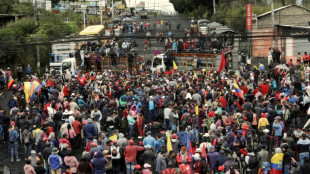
(262, 122)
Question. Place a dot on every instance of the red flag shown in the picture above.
(222, 63)
(204, 152)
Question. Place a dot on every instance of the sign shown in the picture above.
(102, 3)
(48, 5)
(121, 6)
(248, 19)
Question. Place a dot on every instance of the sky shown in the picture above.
(164, 5)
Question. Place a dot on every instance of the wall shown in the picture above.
(288, 16)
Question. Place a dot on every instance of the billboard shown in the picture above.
(248, 19)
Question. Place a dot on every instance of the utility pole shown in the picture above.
(112, 9)
(37, 36)
(273, 29)
(84, 18)
(214, 7)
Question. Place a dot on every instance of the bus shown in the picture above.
(202, 26)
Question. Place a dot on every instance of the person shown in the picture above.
(169, 169)
(28, 168)
(288, 157)
(89, 130)
(263, 158)
(212, 156)
(85, 166)
(276, 161)
(97, 117)
(67, 171)
(13, 142)
(39, 169)
(115, 154)
(55, 162)
(71, 163)
(130, 155)
(277, 130)
(251, 161)
(160, 161)
(99, 163)
(149, 140)
(149, 156)
(303, 145)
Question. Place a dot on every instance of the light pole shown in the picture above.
(36, 36)
(214, 7)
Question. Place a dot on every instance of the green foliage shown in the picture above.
(6, 6)
(22, 8)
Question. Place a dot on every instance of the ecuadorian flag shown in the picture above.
(277, 163)
(30, 88)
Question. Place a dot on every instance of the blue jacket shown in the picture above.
(183, 138)
(89, 130)
(212, 156)
(149, 140)
(54, 160)
(13, 133)
(99, 164)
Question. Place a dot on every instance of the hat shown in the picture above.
(162, 132)
(206, 135)
(149, 133)
(221, 168)
(105, 152)
(240, 132)
(212, 148)
(174, 136)
(89, 120)
(114, 141)
(140, 143)
(278, 150)
(146, 165)
(148, 146)
(245, 127)
(278, 118)
(12, 123)
(222, 151)
(263, 115)
(137, 167)
(198, 150)
(67, 120)
(196, 156)
(266, 131)
(33, 152)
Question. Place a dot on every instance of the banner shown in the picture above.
(248, 19)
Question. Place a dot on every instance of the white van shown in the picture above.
(68, 64)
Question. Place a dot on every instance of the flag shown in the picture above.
(189, 145)
(30, 88)
(141, 67)
(204, 151)
(222, 63)
(175, 66)
(195, 75)
(276, 163)
(168, 72)
(238, 91)
(196, 110)
(169, 145)
(11, 81)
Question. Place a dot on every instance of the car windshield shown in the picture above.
(66, 65)
(156, 61)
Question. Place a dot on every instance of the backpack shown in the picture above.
(11, 137)
(114, 151)
(239, 164)
(252, 162)
(27, 138)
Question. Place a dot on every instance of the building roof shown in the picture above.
(293, 26)
(281, 8)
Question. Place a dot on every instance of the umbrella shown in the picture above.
(282, 66)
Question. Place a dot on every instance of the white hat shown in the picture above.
(196, 156)
(146, 165)
(206, 135)
(266, 130)
(198, 150)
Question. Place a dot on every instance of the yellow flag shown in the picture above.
(175, 66)
(141, 67)
(169, 146)
(113, 137)
(195, 75)
(196, 109)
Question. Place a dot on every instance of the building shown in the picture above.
(6, 18)
(291, 24)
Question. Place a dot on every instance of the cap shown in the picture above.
(140, 143)
(222, 151)
(149, 133)
(114, 141)
(137, 167)
(266, 130)
(146, 165)
(278, 118)
(148, 146)
(263, 115)
(221, 168)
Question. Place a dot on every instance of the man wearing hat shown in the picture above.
(277, 130)
(149, 140)
(55, 162)
(160, 161)
(212, 156)
(97, 117)
(221, 159)
(183, 155)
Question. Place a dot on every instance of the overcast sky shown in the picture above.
(159, 4)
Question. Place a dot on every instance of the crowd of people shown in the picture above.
(249, 121)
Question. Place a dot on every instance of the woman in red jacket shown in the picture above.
(131, 155)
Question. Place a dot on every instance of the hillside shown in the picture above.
(228, 12)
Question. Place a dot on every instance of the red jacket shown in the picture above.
(66, 91)
(65, 141)
(131, 151)
(180, 160)
(77, 126)
(264, 88)
(185, 169)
